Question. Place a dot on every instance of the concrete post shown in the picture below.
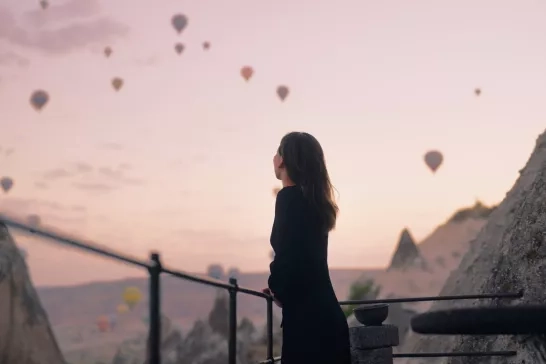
(373, 344)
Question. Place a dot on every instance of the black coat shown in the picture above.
(314, 327)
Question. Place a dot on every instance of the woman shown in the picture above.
(314, 327)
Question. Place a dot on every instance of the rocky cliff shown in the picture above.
(407, 254)
(25, 333)
(508, 254)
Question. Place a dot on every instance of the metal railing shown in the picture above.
(155, 269)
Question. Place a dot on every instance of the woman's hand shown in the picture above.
(267, 291)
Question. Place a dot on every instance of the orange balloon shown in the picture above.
(103, 323)
(247, 72)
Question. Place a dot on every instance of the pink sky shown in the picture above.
(180, 159)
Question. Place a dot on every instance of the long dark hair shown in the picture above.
(303, 159)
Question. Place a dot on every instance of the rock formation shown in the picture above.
(508, 254)
(133, 351)
(25, 333)
(407, 254)
(205, 343)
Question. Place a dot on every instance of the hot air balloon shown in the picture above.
(39, 99)
(477, 92)
(103, 323)
(275, 191)
(44, 4)
(179, 48)
(234, 273)
(433, 159)
(282, 92)
(132, 296)
(107, 51)
(247, 72)
(6, 183)
(179, 22)
(117, 83)
(33, 220)
(215, 271)
(206, 45)
(122, 308)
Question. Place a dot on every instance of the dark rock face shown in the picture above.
(509, 254)
(407, 253)
(25, 332)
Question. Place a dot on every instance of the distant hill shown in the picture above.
(422, 268)
(182, 301)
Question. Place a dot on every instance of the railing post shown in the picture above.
(155, 311)
(232, 349)
(270, 329)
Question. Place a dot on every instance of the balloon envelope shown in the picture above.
(179, 48)
(477, 92)
(39, 99)
(215, 271)
(433, 159)
(247, 72)
(107, 51)
(282, 92)
(6, 183)
(179, 22)
(132, 296)
(44, 4)
(117, 83)
(122, 308)
(103, 323)
(234, 273)
(206, 45)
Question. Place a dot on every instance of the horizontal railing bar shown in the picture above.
(434, 298)
(88, 246)
(197, 279)
(212, 282)
(271, 361)
(462, 353)
(432, 355)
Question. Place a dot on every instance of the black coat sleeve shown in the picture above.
(285, 270)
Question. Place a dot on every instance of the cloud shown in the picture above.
(82, 167)
(60, 173)
(216, 238)
(41, 185)
(10, 58)
(49, 211)
(94, 187)
(62, 39)
(147, 61)
(111, 146)
(66, 11)
(118, 175)
(78, 208)
(57, 173)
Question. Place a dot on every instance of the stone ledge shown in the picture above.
(375, 356)
(373, 337)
